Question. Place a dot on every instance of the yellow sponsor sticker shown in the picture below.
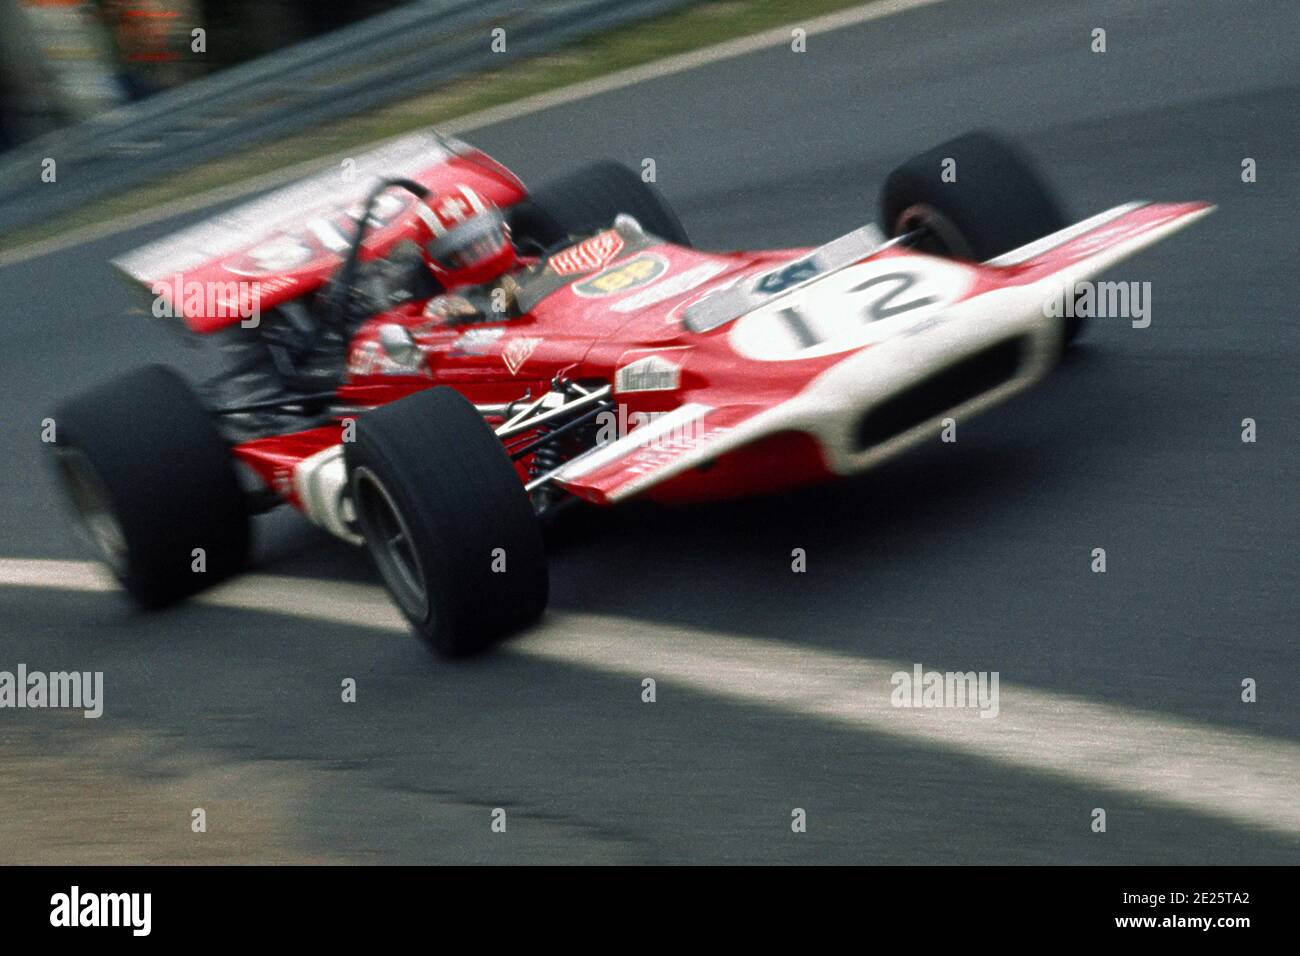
(628, 274)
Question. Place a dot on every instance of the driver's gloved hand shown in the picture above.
(401, 276)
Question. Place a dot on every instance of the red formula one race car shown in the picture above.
(422, 356)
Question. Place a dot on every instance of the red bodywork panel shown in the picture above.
(274, 458)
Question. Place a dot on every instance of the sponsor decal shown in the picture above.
(274, 285)
(631, 435)
(587, 255)
(663, 450)
(275, 255)
(667, 288)
(650, 374)
(515, 352)
(476, 342)
(623, 276)
(778, 280)
(329, 234)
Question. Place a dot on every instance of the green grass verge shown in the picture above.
(643, 42)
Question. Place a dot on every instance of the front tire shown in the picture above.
(997, 202)
(447, 521)
(151, 480)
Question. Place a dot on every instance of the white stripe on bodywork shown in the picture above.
(1062, 236)
(426, 214)
(641, 436)
(475, 202)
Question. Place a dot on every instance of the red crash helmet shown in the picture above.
(467, 241)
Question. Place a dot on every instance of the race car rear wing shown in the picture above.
(287, 243)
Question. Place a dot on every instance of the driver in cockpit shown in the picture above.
(466, 243)
(463, 258)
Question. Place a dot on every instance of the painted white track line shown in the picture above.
(1231, 775)
(777, 36)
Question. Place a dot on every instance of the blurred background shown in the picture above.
(106, 97)
(66, 60)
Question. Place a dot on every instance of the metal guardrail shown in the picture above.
(358, 68)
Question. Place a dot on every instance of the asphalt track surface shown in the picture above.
(966, 556)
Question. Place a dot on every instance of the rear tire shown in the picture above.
(447, 521)
(151, 480)
(587, 200)
(997, 202)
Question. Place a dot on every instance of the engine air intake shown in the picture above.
(955, 385)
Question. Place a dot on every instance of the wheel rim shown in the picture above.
(94, 510)
(936, 232)
(391, 545)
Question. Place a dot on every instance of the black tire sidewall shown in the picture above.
(461, 499)
(998, 200)
(169, 477)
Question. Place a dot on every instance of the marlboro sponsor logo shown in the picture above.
(650, 374)
(587, 255)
